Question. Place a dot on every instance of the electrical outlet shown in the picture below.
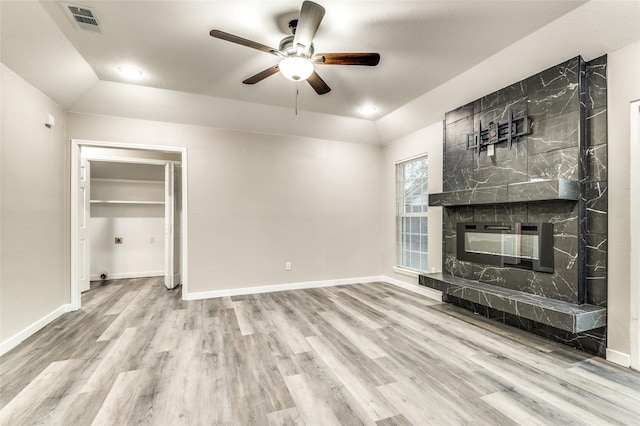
(119, 240)
(287, 266)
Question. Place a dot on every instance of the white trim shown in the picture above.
(619, 358)
(132, 160)
(634, 232)
(405, 271)
(424, 154)
(425, 291)
(109, 180)
(15, 340)
(76, 144)
(125, 275)
(75, 286)
(280, 287)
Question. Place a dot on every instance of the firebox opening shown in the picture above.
(527, 246)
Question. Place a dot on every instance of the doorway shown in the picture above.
(133, 182)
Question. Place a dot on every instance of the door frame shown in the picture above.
(634, 228)
(76, 145)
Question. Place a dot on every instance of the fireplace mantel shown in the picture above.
(532, 191)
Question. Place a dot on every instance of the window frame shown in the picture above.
(412, 226)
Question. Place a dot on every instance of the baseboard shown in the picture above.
(279, 287)
(15, 340)
(619, 358)
(124, 275)
(425, 291)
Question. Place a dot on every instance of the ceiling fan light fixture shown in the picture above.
(296, 68)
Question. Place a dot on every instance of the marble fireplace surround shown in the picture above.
(556, 174)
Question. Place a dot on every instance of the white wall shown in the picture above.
(256, 201)
(34, 277)
(623, 88)
(142, 252)
(426, 141)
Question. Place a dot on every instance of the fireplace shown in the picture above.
(519, 245)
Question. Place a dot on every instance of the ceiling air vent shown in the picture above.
(83, 17)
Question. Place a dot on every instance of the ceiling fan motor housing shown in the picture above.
(288, 49)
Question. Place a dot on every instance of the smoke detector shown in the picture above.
(83, 17)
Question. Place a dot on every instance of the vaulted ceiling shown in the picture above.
(422, 45)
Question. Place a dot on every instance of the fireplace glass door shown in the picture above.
(528, 246)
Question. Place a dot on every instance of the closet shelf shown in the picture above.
(126, 202)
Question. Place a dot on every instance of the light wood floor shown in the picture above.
(360, 354)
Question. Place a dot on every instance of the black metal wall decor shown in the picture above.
(499, 132)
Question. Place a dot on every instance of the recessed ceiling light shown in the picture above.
(130, 72)
(367, 109)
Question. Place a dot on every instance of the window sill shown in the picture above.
(407, 272)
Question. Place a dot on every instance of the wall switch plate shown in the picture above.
(119, 240)
(287, 266)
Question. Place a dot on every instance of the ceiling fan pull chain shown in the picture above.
(297, 93)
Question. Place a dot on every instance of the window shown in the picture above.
(411, 213)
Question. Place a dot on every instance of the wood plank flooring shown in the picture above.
(368, 354)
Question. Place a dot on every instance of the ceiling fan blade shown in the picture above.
(368, 59)
(262, 75)
(318, 84)
(243, 41)
(311, 15)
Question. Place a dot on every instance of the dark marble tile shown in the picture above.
(562, 214)
(458, 157)
(543, 190)
(450, 243)
(595, 95)
(515, 212)
(555, 91)
(519, 322)
(503, 96)
(504, 277)
(554, 133)
(502, 153)
(596, 200)
(596, 252)
(458, 268)
(476, 308)
(565, 251)
(522, 308)
(593, 341)
(433, 283)
(510, 171)
(497, 194)
(453, 215)
(456, 132)
(597, 288)
(457, 180)
(597, 163)
(596, 127)
(500, 112)
(561, 285)
(562, 164)
(459, 113)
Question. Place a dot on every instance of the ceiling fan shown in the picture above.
(296, 51)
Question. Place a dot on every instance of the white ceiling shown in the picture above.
(422, 44)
